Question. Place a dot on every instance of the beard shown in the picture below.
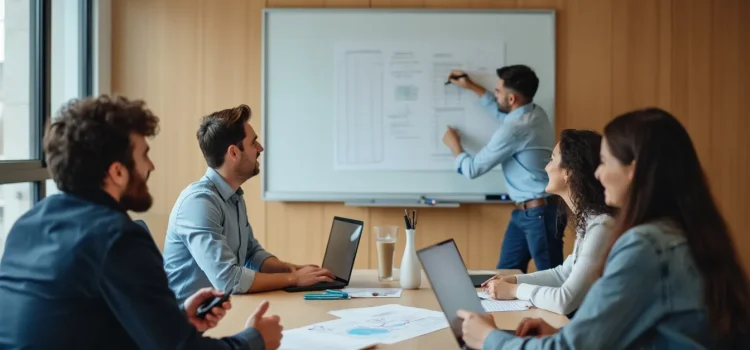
(248, 168)
(503, 106)
(136, 196)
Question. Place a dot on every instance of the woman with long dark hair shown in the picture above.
(571, 176)
(672, 278)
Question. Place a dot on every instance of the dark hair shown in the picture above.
(669, 183)
(579, 154)
(520, 79)
(222, 129)
(90, 134)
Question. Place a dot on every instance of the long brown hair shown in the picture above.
(669, 183)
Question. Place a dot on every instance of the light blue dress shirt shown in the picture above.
(522, 145)
(209, 240)
(649, 297)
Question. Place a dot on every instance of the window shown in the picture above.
(15, 91)
(45, 60)
(21, 195)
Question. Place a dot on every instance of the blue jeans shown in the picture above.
(533, 233)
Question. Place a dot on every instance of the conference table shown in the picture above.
(296, 312)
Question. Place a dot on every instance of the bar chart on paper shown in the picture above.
(393, 106)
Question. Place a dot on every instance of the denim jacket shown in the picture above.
(649, 297)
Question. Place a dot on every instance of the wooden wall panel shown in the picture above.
(188, 58)
(635, 54)
(739, 217)
(319, 3)
(699, 70)
(588, 70)
(486, 229)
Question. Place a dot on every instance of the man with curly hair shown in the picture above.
(78, 273)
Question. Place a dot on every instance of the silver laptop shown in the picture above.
(446, 271)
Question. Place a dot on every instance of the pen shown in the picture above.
(325, 297)
(413, 219)
(455, 77)
(406, 219)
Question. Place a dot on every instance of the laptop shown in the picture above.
(446, 271)
(343, 242)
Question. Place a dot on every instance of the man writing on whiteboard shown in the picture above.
(522, 146)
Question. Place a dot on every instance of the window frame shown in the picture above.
(35, 170)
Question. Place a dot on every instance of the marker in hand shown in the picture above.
(455, 77)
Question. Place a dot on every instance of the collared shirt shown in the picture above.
(522, 146)
(78, 273)
(649, 297)
(209, 240)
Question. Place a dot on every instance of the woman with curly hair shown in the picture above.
(571, 176)
(672, 278)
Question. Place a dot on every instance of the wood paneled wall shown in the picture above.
(187, 58)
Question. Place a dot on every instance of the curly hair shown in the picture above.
(579, 155)
(90, 134)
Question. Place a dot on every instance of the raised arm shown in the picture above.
(611, 316)
(503, 144)
(134, 286)
(486, 99)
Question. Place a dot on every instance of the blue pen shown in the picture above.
(325, 297)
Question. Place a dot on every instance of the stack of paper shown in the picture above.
(505, 305)
(492, 305)
(364, 327)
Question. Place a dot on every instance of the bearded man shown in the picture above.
(78, 273)
(209, 239)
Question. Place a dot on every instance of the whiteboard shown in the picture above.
(338, 124)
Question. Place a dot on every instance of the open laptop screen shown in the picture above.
(342, 247)
(450, 282)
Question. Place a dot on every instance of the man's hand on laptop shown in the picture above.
(293, 267)
(309, 275)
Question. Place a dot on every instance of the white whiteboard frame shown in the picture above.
(378, 199)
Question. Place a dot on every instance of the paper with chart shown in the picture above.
(373, 292)
(302, 339)
(385, 324)
(392, 105)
